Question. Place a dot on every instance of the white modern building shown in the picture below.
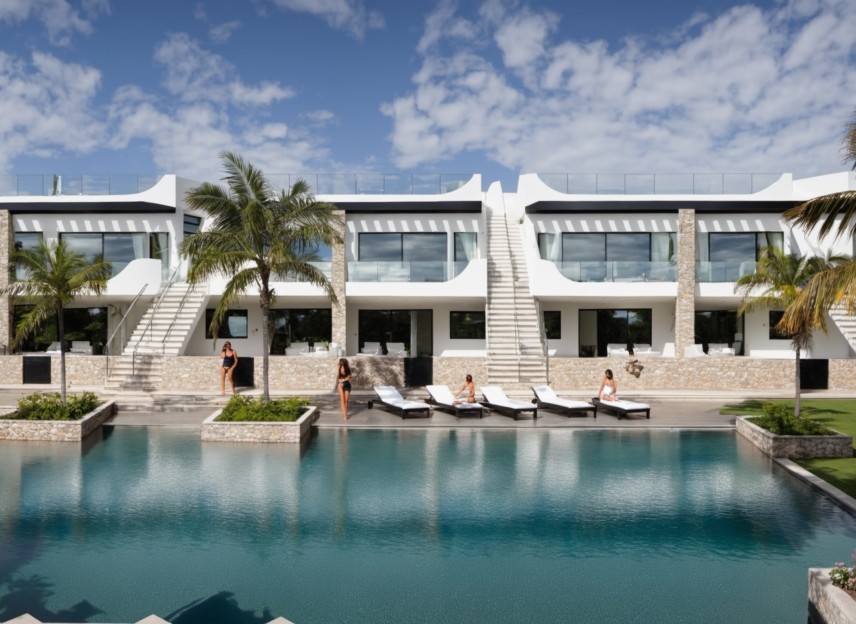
(438, 277)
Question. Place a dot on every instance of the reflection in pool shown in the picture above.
(410, 526)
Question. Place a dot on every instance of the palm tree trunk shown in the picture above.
(61, 336)
(265, 304)
(798, 383)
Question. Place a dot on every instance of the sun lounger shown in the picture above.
(390, 397)
(622, 408)
(545, 398)
(495, 399)
(442, 398)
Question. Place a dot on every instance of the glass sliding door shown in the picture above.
(599, 328)
(413, 328)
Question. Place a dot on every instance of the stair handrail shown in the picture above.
(109, 342)
(164, 287)
(542, 335)
(513, 287)
(187, 292)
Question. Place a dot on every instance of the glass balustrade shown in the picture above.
(90, 184)
(425, 271)
(325, 267)
(618, 271)
(724, 270)
(659, 184)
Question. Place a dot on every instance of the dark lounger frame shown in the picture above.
(620, 412)
(510, 411)
(401, 411)
(454, 409)
(563, 409)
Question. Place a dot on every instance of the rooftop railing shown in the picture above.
(47, 185)
(659, 184)
(374, 183)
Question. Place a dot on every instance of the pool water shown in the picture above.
(411, 526)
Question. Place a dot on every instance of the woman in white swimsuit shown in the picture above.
(608, 388)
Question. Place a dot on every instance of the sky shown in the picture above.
(426, 86)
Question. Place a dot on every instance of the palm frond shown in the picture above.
(832, 213)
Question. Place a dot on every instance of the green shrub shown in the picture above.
(245, 409)
(779, 419)
(48, 406)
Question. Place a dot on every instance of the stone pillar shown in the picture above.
(6, 244)
(338, 278)
(685, 302)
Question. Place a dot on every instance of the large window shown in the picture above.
(81, 324)
(553, 324)
(611, 256)
(466, 248)
(422, 257)
(26, 241)
(774, 319)
(398, 326)
(467, 325)
(234, 325)
(191, 224)
(599, 328)
(727, 256)
(313, 326)
(717, 327)
(119, 249)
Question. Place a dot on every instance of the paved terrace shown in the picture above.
(676, 409)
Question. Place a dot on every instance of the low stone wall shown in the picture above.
(57, 430)
(452, 371)
(795, 446)
(826, 602)
(295, 433)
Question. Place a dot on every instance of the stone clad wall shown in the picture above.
(795, 446)
(56, 430)
(292, 433)
(827, 601)
(452, 371)
(685, 301)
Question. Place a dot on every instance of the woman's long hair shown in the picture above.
(344, 368)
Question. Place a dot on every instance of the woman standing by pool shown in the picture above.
(227, 367)
(608, 388)
(343, 385)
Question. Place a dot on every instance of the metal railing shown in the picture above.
(374, 183)
(109, 343)
(658, 183)
(47, 185)
(164, 288)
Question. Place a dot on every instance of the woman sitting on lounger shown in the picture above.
(469, 388)
(608, 388)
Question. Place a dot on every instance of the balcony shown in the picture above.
(659, 184)
(618, 271)
(374, 183)
(51, 185)
(413, 272)
(723, 271)
(325, 267)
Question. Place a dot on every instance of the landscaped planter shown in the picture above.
(292, 432)
(795, 446)
(57, 430)
(827, 601)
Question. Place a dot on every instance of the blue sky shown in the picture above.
(498, 88)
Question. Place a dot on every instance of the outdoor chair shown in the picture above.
(442, 398)
(546, 398)
(390, 398)
(496, 399)
(622, 408)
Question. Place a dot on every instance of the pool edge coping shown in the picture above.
(844, 500)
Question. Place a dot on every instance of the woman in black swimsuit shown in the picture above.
(343, 385)
(228, 364)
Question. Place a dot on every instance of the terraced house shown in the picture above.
(439, 277)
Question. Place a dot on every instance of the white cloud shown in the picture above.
(46, 105)
(223, 32)
(350, 16)
(320, 117)
(60, 18)
(747, 89)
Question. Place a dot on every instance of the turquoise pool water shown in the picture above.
(411, 526)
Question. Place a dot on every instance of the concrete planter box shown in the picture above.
(291, 432)
(57, 430)
(826, 602)
(795, 446)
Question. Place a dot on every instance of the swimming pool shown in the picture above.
(411, 526)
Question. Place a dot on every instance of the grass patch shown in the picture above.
(245, 409)
(48, 406)
(838, 414)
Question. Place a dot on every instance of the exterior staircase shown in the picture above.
(516, 357)
(846, 323)
(164, 330)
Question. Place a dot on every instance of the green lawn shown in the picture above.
(840, 414)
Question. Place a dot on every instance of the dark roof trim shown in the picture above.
(660, 205)
(140, 207)
(411, 206)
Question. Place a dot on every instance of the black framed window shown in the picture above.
(191, 224)
(467, 325)
(26, 241)
(717, 326)
(81, 324)
(553, 324)
(119, 249)
(774, 319)
(311, 325)
(602, 327)
(234, 325)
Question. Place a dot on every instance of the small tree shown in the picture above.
(56, 276)
(256, 236)
(781, 277)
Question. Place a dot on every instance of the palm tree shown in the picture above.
(56, 276)
(256, 236)
(781, 277)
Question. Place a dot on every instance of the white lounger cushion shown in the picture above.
(444, 396)
(496, 395)
(546, 394)
(391, 396)
(626, 405)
